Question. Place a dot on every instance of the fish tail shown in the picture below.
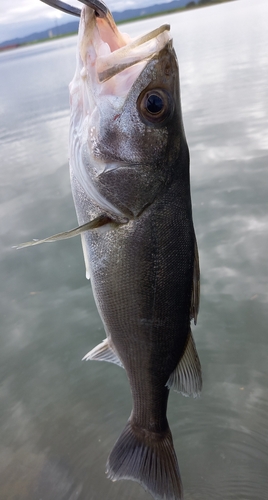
(149, 458)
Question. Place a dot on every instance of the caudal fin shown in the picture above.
(148, 458)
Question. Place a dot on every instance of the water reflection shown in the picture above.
(59, 417)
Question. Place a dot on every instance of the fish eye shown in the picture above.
(155, 107)
(154, 104)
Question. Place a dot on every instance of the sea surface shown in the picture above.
(59, 416)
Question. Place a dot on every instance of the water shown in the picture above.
(59, 417)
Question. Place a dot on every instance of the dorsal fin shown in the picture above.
(196, 287)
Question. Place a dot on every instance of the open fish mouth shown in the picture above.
(108, 52)
(114, 51)
(132, 53)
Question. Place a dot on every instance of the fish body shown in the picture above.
(129, 163)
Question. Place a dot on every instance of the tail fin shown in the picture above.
(150, 459)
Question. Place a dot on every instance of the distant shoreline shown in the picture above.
(173, 11)
(189, 7)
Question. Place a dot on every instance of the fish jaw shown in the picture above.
(109, 65)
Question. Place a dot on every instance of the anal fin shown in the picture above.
(187, 377)
(103, 352)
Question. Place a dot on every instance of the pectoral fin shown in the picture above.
(103, 352)
(101, 220)
(187, 377)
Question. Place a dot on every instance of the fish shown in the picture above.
(129, 171)
(129, 161)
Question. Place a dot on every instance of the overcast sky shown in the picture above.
(22, 17)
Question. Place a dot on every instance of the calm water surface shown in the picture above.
(59, 417)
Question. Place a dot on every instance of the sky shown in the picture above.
(22, 17)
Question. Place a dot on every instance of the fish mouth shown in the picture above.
(129, 51)
(111, 52)
(121, 51)
(143, 48)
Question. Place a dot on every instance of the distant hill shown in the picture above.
(61, 29)
(145, 11)
(72, 27)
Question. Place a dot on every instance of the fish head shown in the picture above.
(126, 126)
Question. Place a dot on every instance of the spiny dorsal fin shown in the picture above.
(187, 377)
(196, 287)
(103, 352)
